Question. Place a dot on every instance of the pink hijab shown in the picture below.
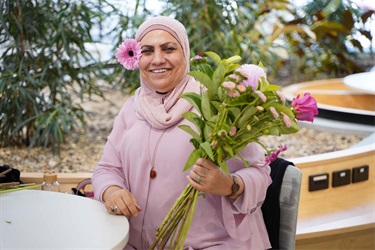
(164, 110)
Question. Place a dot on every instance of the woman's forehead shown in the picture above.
(157, 38)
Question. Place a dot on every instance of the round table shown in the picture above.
(362, 81)
(35, 219)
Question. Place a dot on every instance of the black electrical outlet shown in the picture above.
(341, 177)
(360, 173)
(318, 182)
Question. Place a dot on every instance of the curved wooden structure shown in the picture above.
(338, 217)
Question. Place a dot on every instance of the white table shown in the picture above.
(362, 81)
(34, 219)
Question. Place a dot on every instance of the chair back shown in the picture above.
(280, 208)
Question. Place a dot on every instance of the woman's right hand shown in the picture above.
(120, 201)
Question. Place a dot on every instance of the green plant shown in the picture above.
(45, 67)
(336, 50)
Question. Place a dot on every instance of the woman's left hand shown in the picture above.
(206, 177)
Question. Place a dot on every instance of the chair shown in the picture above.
(280, 208)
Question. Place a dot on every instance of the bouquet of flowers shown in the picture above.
(236, 107)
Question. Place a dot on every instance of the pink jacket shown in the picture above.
(218, 223)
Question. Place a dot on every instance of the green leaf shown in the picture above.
(331, 7)
(194, 156)
(195, 119)
(192, 132)
(215, 57)
(247, 115)
(194, 99)
(206, 105)
(217, 78)
(273, 87)
(207, 148)
(202, 78)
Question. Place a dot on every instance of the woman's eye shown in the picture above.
(170, 49)
(146, 51)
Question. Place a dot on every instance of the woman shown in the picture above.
(140, 174)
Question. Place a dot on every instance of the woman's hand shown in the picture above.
(205, 176)
(120, 201)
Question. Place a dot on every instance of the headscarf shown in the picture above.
(164, 110)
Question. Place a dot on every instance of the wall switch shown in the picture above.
(318, 182)
(341, 177)
(360, 173)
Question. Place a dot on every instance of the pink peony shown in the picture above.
(129, 53)
(252, 73)
(305, 108)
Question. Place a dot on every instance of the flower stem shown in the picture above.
(182, 211)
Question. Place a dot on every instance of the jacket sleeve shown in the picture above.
(109, 170)
(244, 214)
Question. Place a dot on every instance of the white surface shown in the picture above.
(34, 219)
(361, 81)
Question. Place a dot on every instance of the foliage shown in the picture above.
(45, 66)
(336, 49)
(319, 39)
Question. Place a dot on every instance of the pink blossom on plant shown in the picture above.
(197, 57)
(233, 131)
(229, 85)
(129, 53)
(252, 73)
(233, 93)
(234, 77)
(281, 96)
(241, 88)
(274, 154)
(274, 112)
(261, 95)
(286, 120)
(305, 108)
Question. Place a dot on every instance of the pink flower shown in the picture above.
(241, 88)
(233, 131)
(305, 108)
(286, 120)
(129, 53)
(274, 112)
(274, 154)
(197, 57)
(233, 93)
(234, 77)
(281, 96)
(261, 95)
(252, 73)
(229, 85)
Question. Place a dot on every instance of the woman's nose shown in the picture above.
(158, 57)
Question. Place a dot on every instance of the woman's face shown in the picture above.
(162, 65)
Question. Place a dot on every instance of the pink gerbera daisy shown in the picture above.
(128, 54)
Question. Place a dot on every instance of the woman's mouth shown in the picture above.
(158, 70)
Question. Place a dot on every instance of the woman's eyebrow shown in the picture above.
(161, 45)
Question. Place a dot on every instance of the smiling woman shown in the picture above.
(160, 66)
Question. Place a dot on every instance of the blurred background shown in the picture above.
(56, 55)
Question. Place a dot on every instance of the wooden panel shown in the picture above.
(361, 239)
(335, 199)
(67, 180)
